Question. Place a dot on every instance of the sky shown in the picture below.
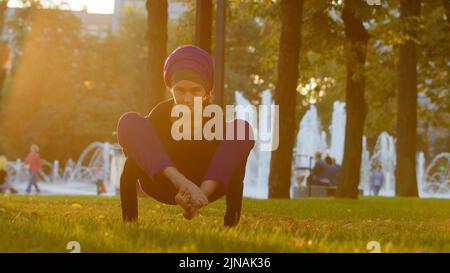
(93, 6)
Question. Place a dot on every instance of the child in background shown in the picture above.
(99, 181)
(376, 179)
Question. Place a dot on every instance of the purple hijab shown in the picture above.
(193, 58)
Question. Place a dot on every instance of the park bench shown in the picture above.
(310, 190)
(315, 191)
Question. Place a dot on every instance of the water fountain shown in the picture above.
(310, 137)
(117, 163)
(420, 171)
(384, 154)
(366, 167)
(79, 177)
(337, 131)
(436, 180)
(258, 164)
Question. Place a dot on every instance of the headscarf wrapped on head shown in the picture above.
(189, 62)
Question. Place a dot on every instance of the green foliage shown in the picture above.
(68, 90)
(252, 45)
(434, 65)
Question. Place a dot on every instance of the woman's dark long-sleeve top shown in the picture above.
(150, 148)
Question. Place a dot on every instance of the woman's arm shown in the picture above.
(27, 160)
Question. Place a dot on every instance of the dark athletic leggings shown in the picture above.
(146, 158)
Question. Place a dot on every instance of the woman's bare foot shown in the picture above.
(183, 199)
(190, 213)
(196, 195)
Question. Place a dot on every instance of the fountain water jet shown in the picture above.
(258, 164)
(337, 131)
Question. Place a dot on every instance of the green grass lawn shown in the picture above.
(48, 223)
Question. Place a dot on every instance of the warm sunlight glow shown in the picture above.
(93, 6)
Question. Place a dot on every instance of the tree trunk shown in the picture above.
(285, 97)
(446, 4)
(203, 24)
(219, 53)
(3, 9)
(4, 48)
(157, 49)
(406, 181)
(355, 50)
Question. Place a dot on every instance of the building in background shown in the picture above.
(95, 24)
(99, 25)
(121, 7)
(103, 24)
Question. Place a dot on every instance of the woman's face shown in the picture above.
(185, 91)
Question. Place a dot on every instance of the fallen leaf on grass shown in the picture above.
(76, 206)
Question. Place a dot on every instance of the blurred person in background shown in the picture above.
(34, 161)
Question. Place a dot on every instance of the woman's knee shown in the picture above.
(129, 122)
(133, 128)
(242, 131)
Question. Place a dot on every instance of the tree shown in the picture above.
(357, 38)
(446, 4)
(203, 31)
(3, 9)
(157, 49)
(68, 82)
(285, 96)
(4, 50)
(407, 103)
